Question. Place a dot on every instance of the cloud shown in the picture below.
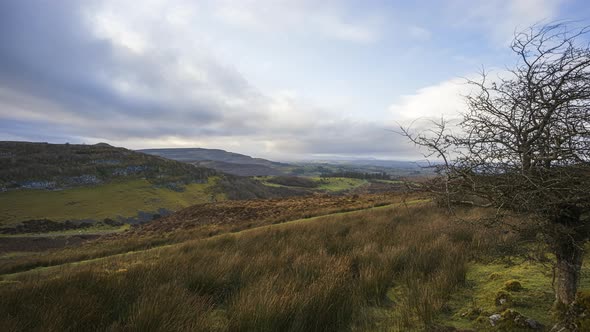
(90, 72)
(164, 74)
(500, 18)
(308, 18)
(444, 99)
(61, 70)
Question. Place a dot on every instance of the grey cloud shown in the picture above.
(351, 139)
(57, 84)
(47, 51)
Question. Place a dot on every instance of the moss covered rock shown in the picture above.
(503, 299)
(513, 285)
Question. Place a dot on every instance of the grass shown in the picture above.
(486, 282)
(322, 184)
(122, 198)
(327, 274)
(93, 230)
(396, 268)
(125, 244)
(339, 184)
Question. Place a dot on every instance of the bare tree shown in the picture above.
(523, 144)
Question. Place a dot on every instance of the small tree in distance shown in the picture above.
(523, 145)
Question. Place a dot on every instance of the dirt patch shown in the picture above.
(29, 243)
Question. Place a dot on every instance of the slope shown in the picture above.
(89, 183)
(224, 161)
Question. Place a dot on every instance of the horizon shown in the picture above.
(318, 159)
(288, 80)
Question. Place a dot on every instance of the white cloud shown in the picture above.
(305, 17)
(500, 18)
(444, 99)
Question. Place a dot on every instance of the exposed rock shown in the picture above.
(38, 185)
(503, 298)
(510, 319)
(83, 180)
(495, 318)
(533, 324)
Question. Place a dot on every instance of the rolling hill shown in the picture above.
(221, 160)
(25, 165)
(88, 183)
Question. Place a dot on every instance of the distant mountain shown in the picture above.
(221, 160)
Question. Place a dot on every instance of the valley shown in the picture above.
(294, 166)
(367, 248)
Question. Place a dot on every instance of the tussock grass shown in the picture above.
(328, 274)
(151, 235)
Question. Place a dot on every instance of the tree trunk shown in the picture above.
(569, 237)
(569, 264)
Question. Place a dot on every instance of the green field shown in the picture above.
(111, 200)
(323, 184)
(339, 184)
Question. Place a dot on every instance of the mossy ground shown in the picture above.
(125, 199)
(471, 305)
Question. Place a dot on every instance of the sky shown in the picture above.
(282, 79)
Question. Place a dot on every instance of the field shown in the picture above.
(120, 198)
(331, 185)
(198, 221)
(408, 266)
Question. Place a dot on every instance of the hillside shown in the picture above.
(251, 266)
(83, 184)
(243, 165)
(240, 169)
(201, 154)
(25, 165)
(224, 161)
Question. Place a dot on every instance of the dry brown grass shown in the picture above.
(316, 275)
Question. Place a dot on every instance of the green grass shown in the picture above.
(324, 184)
(486, 281)
(389, 181)
(339, 184)
(98, 202)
